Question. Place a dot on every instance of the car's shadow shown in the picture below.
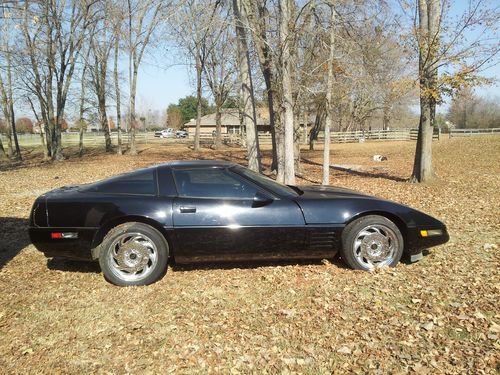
(13, 238)
(77, 266)
(405, 259)
(68, 265)
(254, 264)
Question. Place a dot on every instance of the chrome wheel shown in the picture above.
(375, 246)
(132, 256)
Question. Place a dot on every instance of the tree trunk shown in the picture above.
(280, 149)
(14, 152)
(218, 125)
(119, 150)
(50, 114)
(386, 116)
(198, 99)
(101, 68)
(6, 114)
(57, 141)
(287, 99)
(296, 140)
(12, 118)
(267, 72)
(81, 120)
(3, 154)
(81, 149)
(247, 94)
(10, 146)
(258, 27)
(48, 138)
(313, 135)
(104, 121)
(133, 86)
(305, 127)
(329, 101)
(42, 141)
(429, 13)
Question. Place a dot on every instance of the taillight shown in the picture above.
(55, 235)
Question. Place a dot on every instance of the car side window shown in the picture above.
(166, 183)
(212, 183)
(141, 182)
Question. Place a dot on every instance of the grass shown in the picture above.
(61, 316)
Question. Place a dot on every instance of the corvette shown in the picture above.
(199, 211)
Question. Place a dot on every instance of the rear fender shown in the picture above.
(106, 227)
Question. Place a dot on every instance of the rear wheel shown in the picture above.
(133, 254)
(372, 242)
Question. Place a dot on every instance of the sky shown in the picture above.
(158, 87)
(161, 84)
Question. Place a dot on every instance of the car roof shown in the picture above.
(198, 163)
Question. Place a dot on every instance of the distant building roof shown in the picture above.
(230, 117)
(199, 163)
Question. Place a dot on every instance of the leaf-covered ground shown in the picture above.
(441, 315)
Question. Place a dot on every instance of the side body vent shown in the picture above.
(322, 239)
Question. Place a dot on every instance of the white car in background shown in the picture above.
(165, 133)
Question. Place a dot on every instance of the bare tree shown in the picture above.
(54, 32)
(220, 69)
(257, 14)
(117, 30)
(143, 19)
(429, 17)
(329, 98)
(102, 41)
(81, 117)
(464, 47)
(287, 100)
(247, 93)
(197, 28)
(469, 110)
(6, 89)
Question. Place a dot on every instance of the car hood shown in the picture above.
(63, 191)
(329, 192)
(335, 205)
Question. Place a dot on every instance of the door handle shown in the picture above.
(188, 210)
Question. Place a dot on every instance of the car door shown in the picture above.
(218, 215)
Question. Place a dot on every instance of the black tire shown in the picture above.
(143, 245)
(371, 230)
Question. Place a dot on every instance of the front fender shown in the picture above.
(344, 210)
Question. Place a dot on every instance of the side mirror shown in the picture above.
(260, 200)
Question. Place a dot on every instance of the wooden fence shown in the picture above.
(473, 132)
(93, 139)
(361, 136)
(97, 139)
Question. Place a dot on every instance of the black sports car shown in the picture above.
(195, 211)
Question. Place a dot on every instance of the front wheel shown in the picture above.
(133, 254)
(372, 242)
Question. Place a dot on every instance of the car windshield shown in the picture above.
(268, 183)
